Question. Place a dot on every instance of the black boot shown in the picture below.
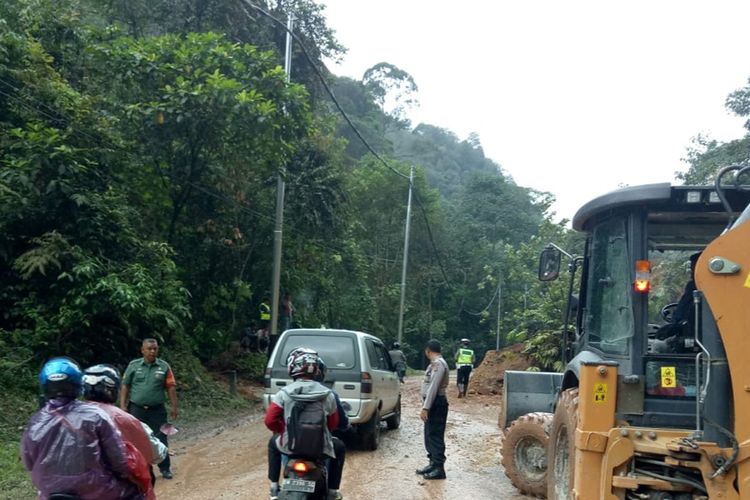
(438, 472)
(425, 470)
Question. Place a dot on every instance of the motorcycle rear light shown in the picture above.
(366, 383)
(301, 467)
(267, 379)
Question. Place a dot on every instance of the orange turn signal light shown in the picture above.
(642, 283)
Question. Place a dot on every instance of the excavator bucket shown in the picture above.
(527, 392)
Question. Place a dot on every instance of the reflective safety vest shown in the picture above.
(265, 312)
(465, 356)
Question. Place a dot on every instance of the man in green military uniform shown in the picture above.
(464, 365)
(142, 393)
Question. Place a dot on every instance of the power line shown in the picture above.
(356, 131)
(333, 98)
(326, 86)
(65, 121)
(432, 239)
(487, 308)
(209, 192)
(61, 120)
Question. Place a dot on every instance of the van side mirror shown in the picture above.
(549, 264)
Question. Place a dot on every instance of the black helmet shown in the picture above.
(101, 383)
(60, 378)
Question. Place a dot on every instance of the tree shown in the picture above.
(76, 277)
(705, 157)
(238, 21)
(393, 89)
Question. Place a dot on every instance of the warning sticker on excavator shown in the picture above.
(747, 281)
(600, 393)
(668, 376)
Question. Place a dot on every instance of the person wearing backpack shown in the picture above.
(335, 466)
(303, 413)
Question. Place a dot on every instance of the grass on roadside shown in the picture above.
(17, 406)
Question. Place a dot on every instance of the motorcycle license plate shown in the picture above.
(298, 485)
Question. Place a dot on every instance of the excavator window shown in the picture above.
(609, 312)
(671, 378)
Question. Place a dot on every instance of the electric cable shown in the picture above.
(338, 106)
(356, 131)
(327, 88)
(487, 308)
(207, 191)
(64, 121)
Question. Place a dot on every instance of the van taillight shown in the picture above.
(366, 383)
(267, 379)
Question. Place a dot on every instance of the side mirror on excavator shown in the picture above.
(549, 264)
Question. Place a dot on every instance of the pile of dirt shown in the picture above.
(488, 377)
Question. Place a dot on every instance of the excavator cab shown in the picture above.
(637, 295)
(647, 354)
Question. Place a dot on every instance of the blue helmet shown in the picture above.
(61, 377)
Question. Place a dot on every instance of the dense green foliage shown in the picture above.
(137, 187)
(139, 144)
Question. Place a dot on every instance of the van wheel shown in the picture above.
(394, 421)
(371, 432)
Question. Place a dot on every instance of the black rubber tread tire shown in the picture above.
(371, 432)
(394, 421)
(534, 426)
(562, 447)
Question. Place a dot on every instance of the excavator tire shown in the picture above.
(524, 453)
(561, 450)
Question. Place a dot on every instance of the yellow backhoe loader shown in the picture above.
(654, 403)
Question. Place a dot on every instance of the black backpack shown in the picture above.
(306, 427)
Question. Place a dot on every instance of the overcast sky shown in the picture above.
(571, 97)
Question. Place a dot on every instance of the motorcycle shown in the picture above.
(304, 479)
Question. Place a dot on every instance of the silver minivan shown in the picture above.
(359, 370)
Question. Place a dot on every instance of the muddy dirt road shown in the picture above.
(230, 462)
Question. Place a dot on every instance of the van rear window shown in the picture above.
(336, 351)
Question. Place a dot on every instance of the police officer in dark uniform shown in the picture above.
(142, 393)
(434, 412)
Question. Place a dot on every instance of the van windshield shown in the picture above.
(337, 351)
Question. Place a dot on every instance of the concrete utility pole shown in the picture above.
(280, 188)
(406, 256)
(499, 309)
